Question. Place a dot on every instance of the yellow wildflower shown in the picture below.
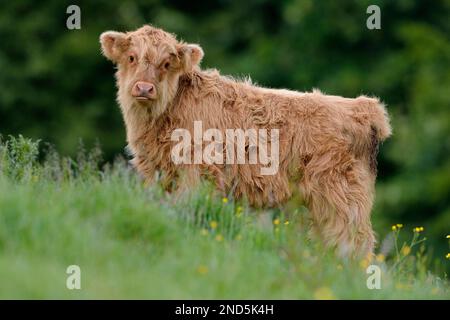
(380, 257)
(276, 222)
(406, 250)
(364, 263)
(448, 236)
(399, 225)
(401, 286)
(286, 222)
(213, 224)
(394, 228)
(324, 293)
(447, 256)
(418, 229)
(219, 238)
(225, 200)
(202, 269)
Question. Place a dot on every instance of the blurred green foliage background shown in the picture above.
(56, 86)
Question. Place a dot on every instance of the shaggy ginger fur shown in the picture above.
(328, 144)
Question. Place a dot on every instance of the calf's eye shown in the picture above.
(131, 59)
(167, 65)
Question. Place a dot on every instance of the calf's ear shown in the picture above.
(113, 44)
(190, 56)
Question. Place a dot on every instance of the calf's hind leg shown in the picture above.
(338, 190)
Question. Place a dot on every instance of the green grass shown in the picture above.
(137, 242)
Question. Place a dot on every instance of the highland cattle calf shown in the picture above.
(326, 145)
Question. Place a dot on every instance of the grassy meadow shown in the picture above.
(132, 241)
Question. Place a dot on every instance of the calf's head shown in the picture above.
(149, 63)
